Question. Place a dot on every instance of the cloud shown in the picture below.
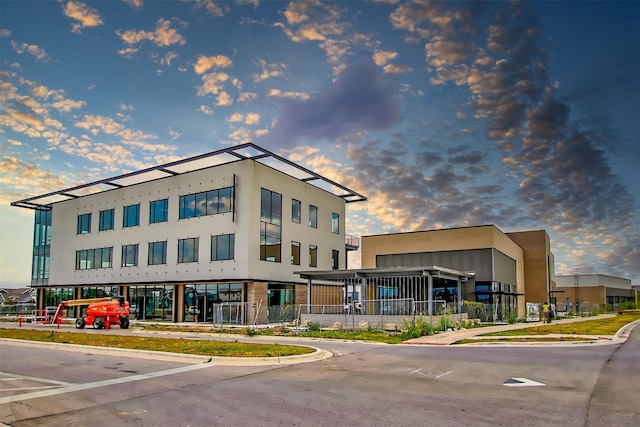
(213, 83)
(564, 179)
(210, 7)
(318, 21)
(25, 178)
(136, 4)
(249, 119)
(382, 57)
(37, 52)
(162, 36)
(360, 100)
(267, 71)
(205, 63)
(85, 15)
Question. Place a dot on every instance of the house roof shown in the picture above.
(18, 295)
(248, 151)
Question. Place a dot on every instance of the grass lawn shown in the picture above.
(359, 334)
(608, 326)
(520, 339)
(172, 345)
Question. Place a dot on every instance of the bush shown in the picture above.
(628, 305)
(313, 326)
(445, 323)
(419, 328)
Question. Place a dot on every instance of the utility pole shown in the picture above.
(576, 276)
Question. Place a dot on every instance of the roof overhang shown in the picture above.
(248, 151)
(434, 271)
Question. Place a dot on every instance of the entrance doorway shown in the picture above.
(280, 303)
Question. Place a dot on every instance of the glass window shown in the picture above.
(188, 206)
(188, 250)
(206, 203)
(296, 210)
(313, 256)
(313, 216)
(84, 223)
(225, 200)
(223, 247)
(335, 259)
(157, 253)
(335, 223)
(131, 217)
(129, 255)
(106, 257)
(270, 225)
(158, 211)
(201, 204)
(106, 220)
(212, 202)
(87, 259)
(295, 253)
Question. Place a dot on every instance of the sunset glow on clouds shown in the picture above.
(444, 114)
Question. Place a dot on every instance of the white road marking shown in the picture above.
(522, 382)
(27, 388)
(13, 377)
(87, 386)
(442, 375)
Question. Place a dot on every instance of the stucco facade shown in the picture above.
(157, 239)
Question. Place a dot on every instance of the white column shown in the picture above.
(430, 292)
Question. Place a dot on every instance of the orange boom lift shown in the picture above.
(101, 312)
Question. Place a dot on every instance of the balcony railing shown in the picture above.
(352, 243)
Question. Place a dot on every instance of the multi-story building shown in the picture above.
(222, 230)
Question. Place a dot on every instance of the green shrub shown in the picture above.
(313, 326)
(419, 328)
(628, 305)
(445, 323)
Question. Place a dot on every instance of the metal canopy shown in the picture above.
(248, 151)
(434, 271)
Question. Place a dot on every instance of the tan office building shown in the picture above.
(510, 268)
(592, 289)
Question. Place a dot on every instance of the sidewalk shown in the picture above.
(448, 338)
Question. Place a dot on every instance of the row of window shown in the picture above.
(271, 229)
(191, 205)
(222, 248)
(296, 215)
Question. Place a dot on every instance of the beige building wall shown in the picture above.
(538, 262)
(587, 294)
(593, 288)
(453, 239)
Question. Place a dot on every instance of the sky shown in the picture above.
(443, 114)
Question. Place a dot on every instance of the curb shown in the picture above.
(318, 354)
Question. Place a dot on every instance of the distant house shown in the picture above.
(17, 296)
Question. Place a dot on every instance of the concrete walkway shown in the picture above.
(451, 337)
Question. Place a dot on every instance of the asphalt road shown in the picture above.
(361, 385)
